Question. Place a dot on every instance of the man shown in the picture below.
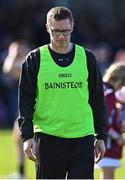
(61, 98)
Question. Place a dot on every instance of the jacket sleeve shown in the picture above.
(27, 90)
(96, 96)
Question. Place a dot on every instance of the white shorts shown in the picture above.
(108, 162)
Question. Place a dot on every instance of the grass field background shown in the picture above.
(8, 161)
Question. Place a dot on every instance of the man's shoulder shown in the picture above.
(90, 57)
(89, 52)
(32, 57)
(34, 52)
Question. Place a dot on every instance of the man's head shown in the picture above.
(59, 13)
(60, 25)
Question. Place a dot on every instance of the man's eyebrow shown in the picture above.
(62, 29)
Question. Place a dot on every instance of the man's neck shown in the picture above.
(61, 50)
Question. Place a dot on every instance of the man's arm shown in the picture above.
(97, 103)
(96, 96)
(27, 89)
(27, 93)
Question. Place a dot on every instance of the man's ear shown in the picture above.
(72, 27)
(47, 28)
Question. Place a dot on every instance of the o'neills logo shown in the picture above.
(63, 85)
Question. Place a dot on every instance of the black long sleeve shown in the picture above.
(27, 94)
(96, 96)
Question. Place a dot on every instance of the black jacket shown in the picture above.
(27, 89)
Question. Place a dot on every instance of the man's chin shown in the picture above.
(62, 43)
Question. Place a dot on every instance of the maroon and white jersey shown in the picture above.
(113, 125)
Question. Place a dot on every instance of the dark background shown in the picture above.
(97, 24)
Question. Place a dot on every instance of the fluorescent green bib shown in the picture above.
(62, 107)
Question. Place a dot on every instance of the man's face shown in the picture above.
(60, 32)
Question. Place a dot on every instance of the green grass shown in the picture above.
(8, 161)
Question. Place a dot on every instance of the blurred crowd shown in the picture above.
(23, 28)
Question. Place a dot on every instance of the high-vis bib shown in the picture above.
(62, 107)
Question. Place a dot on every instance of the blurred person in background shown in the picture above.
(120, 95)
(102, 52)
(60, 94)
(114, 81)
(11, 70)
(120, 56)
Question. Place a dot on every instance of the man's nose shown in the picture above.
(61, 35)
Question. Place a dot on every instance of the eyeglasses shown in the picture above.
(57, 32)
